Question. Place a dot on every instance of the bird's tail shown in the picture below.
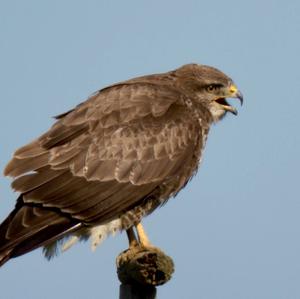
(4, 257)
(28, 227)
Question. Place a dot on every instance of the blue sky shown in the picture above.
(233, 232)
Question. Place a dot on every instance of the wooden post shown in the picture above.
(141, 269)
(129, 291)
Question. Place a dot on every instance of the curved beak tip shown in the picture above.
(235, 112)
(239, 95)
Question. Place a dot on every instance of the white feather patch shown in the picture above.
(99, 233)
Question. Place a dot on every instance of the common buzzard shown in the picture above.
(113, 159)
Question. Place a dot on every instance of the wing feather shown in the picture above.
(18, 166)
(31, 181)
(130, 136)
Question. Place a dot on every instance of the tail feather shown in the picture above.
(4, 257)
(19, 235)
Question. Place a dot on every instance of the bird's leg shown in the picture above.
(143, 238)
(131, 237)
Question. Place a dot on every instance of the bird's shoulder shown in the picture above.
(127, 100)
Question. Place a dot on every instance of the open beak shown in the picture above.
(231, 92)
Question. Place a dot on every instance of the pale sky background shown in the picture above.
(234, 232)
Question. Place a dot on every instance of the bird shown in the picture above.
(113, 159)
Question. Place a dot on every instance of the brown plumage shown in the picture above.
(117, 156)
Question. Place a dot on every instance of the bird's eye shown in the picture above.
(213, 87)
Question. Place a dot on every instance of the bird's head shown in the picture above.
(210, 87)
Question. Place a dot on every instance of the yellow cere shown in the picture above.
(233, 89)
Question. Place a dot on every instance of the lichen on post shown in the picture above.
(140, 269)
